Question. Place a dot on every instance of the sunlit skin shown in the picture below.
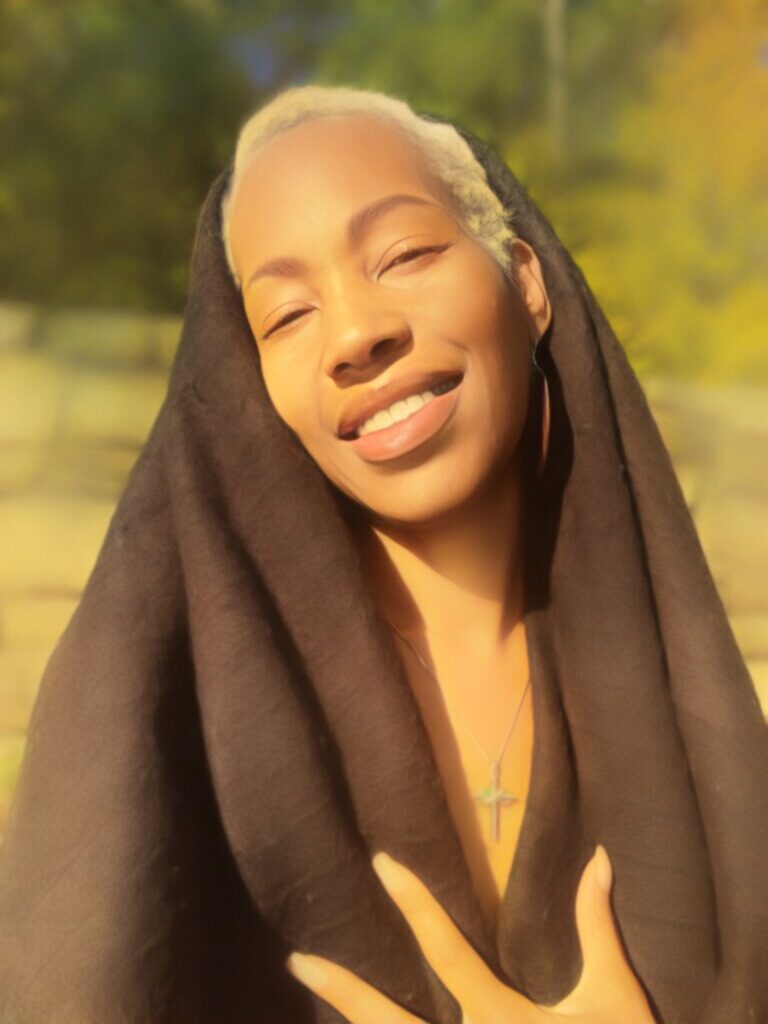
(361, 321)
(606, 993)
(340, 316)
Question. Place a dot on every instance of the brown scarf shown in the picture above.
(224, 734)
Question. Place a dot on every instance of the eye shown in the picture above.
(287, 319)
(411, 254)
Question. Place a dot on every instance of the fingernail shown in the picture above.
(388, 871)
(603, 869)
(306, 970)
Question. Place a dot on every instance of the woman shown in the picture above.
(304, 644)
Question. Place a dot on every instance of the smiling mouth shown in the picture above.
(380, 441)
(402, 409)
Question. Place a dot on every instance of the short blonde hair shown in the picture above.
(447, 154)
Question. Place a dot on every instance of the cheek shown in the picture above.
(498, 338)
(287, 393)
(285, 388)
(501, 358)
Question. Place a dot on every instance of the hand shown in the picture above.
(607, 991)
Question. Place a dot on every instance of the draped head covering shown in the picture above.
(224, 735)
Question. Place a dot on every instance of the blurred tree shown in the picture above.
(675, 240)
(635, 126)
(112, 116)
(114, 119)
(488, 66)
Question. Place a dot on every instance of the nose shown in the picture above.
(362, 337)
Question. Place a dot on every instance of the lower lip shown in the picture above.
(403, 437)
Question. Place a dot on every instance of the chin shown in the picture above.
(424, 497)
(431, 484)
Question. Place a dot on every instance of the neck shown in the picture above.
(456, 580)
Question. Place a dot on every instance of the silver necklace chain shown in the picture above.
(493, 795)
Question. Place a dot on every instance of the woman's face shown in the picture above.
(390, 341)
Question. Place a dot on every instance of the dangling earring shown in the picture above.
(545, 413)
(545, 420)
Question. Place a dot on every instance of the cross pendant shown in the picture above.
(495, 797)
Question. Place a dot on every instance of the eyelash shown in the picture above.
(420, 251)
(412, 253)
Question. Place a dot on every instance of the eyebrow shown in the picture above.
(357, 225)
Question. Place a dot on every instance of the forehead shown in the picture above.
(348, 150)
(314, 174)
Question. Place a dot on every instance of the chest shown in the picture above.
(479, 720)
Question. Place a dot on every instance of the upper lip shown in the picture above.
(362, 407)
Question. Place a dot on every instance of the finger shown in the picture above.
(354, 998)
(479, 992)
(606, 976)
(595, 922)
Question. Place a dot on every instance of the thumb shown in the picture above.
(599, 937)
(606, 975)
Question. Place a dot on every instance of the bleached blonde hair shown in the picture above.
(447, 154)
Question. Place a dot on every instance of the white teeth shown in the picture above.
(399, 410)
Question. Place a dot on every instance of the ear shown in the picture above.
(529, 281)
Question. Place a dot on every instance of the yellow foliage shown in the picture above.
(676, 246)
